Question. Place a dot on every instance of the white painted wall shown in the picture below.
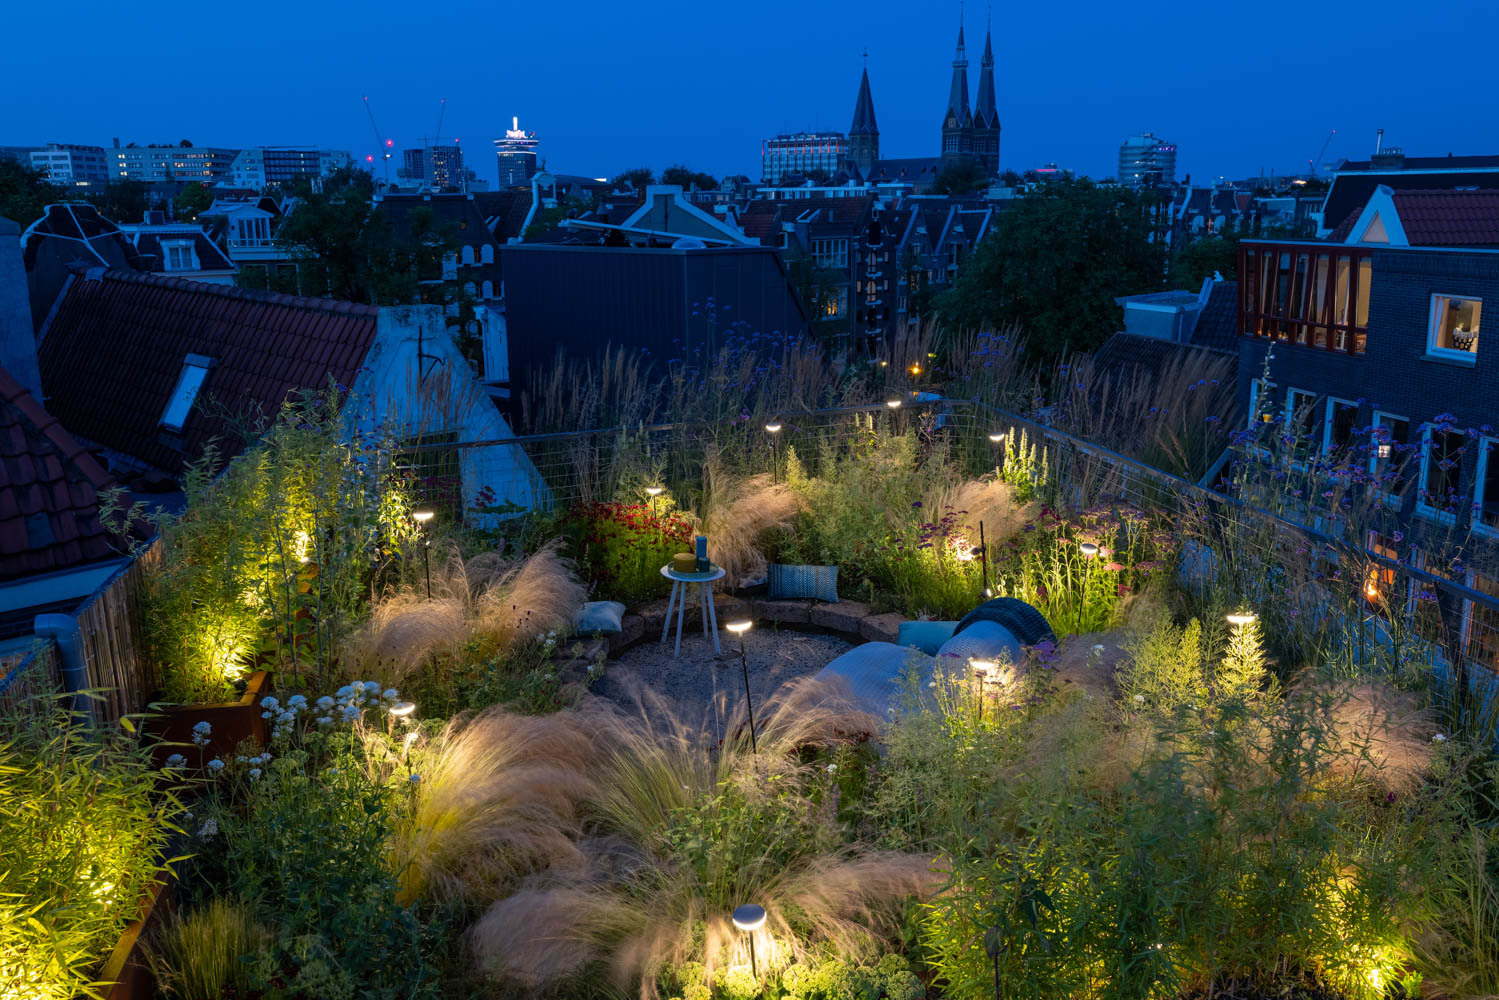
(439, 393)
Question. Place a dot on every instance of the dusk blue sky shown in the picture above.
(614, 85)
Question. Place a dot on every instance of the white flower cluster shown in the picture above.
(175, 761)
(201, 732)
(210, 828)
(352, 700)
(1439, 738)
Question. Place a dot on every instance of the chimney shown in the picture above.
(17, 337)
(1378, 141)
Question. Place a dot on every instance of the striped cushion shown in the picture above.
(1024, 622)
(820, 583)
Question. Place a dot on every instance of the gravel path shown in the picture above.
(688, 682)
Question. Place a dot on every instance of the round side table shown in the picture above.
(681, 584)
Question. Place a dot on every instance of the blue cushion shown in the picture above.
(983, 640)
(599, 616)
(1024, 621)
(875, 673)
(925, 636)
(819, 583)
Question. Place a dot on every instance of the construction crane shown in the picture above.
(384, 143)
(1314, 164)
(441, 113)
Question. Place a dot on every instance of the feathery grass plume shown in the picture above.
(494, 796)
(657, 891)
(529, 599)
(406, 630)
(1387, 734)
(738, 513)
(989, 500)
(1458, 948)
(205, 953)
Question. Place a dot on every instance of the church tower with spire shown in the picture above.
(957, 121)
(986, 113)
(864, 134)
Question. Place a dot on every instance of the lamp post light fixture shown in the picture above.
(422, 516)
(653, 492)
(997, 437)
(739, 628)
(894, 404)
(1241, 618)
(749, 918)
(984, 561)
(774, 428)
(994, 944)
(983, 670)
(400, 710)
(1088, 549)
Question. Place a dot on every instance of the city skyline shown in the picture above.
(601, 103)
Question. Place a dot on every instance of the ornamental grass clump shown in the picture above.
(495, 797)
(211, 950)
(737, 516)
(680, 834)
(82, 833)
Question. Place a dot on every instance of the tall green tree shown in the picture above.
(1195, 259)
(195, 198)
(25, 193)
(961, 177)
(122, 201)
(347, 249)
(1053, 262)
(687, 178)
(636, 178)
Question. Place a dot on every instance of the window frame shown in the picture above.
(1477, 525)
(185, 248)
(1327, 422)
(1374, 442)
(1433, 350)
(1423, 508)
(185, 392)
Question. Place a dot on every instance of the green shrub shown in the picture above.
(82, 828)
(276, 554)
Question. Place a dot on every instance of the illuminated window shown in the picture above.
(189, 382)
(1301, 416)
(1453, 332)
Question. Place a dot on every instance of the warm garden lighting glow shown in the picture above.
(894, 404)
(301, 546)
(739, 628)
(987, 669)
(963, 549)
(1384, 451)
(423, 514)
(773, 428)
(1241, 618)
(749, 918)
(401, 709)
(884, 364)
(654, 491)
(1088, 549)
(997, 437)
(915, 369)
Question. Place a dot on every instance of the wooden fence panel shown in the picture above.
(109, 623)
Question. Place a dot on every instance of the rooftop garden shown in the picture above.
(1250, 764)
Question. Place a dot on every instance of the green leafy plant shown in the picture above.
(620, 548)
(211, 950)
(82, 833)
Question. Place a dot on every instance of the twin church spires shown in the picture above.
(971, 135)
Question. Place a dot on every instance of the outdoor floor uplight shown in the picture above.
(1241, 618)
(1088, 549)
(422, 515)
(739, 628)
(983, 670)
(401, 709)
(749, 918)
(773, 428)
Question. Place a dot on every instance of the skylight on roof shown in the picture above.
(194, 371)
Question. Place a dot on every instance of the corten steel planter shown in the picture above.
(230, 722)
(127, 967)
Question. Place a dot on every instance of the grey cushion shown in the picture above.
(1024, 622)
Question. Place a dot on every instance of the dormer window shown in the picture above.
(1453, 332)
(178, 255)
(189, 382)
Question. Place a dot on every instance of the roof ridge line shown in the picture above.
(339, 306)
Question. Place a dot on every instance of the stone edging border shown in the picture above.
(849, 620)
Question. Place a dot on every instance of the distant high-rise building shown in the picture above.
(207, 164)
(515, 153)
(282, 166)
(70, 165)
(438, 168)
(1145, 161)
(864, 133)
(799, 152)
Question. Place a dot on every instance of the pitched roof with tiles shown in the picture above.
(49, 491)
(150, 243)
(1449, 218)
(1218, 323)
(113, 352)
